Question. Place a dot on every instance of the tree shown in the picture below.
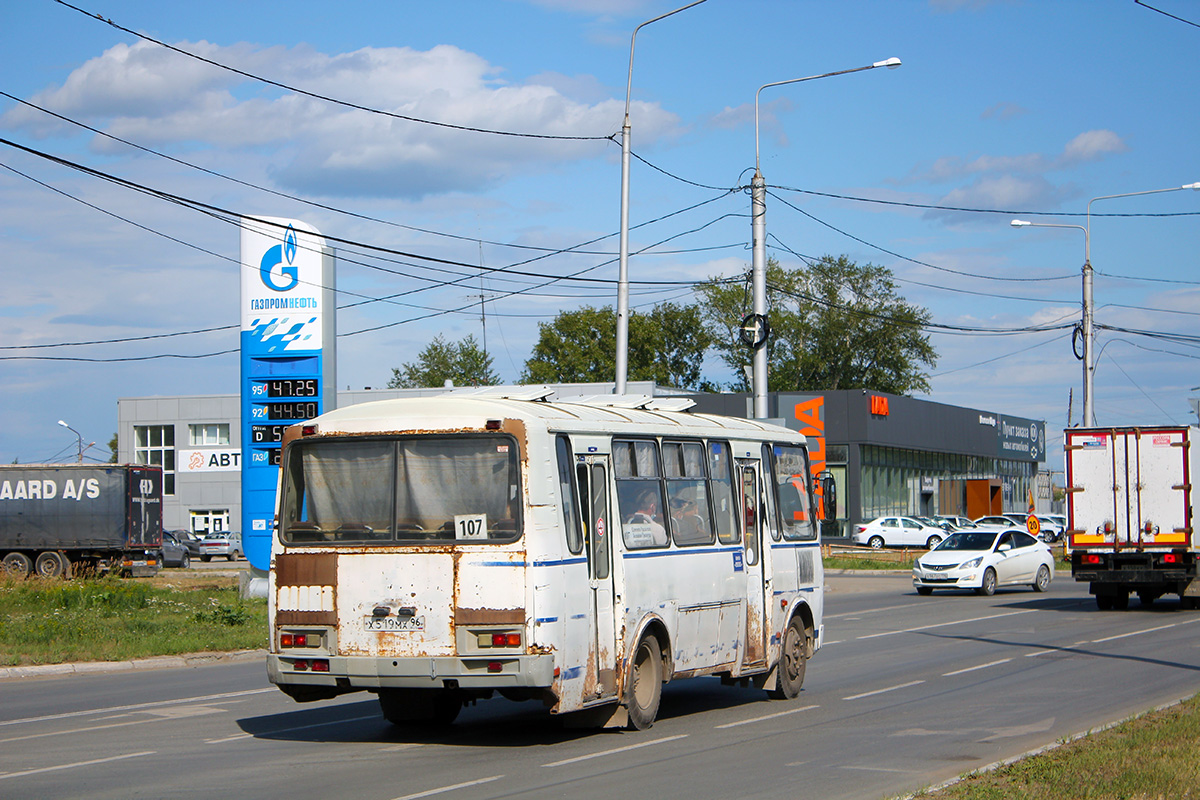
(666, 346)
(834, 325)
(112, 445)
(462, 362)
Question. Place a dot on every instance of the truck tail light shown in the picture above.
(1171, 558)
(1091, 559)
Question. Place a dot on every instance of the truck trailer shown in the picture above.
(61, 519)
(1130, 499)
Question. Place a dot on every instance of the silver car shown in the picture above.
(223, 543)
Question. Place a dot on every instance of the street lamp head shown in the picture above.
(63, 423)
(1020, 223)
(891, 63)
(1190, 186)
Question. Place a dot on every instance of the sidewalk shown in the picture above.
(156, 662)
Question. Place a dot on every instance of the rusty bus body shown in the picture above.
(438, 550)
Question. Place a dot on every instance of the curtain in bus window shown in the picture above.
(347, 490)
(792, 486)
(687, 493)
(724, 507)
(461, 488)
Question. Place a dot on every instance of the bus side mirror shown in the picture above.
(829, 494)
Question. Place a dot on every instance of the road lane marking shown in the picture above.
(881, 691)
(291, 730)
(1133, 633)
(180, 701)
(609, 752)
(763, 718)
(444, 789)
(944, 624)
(980, 666)
(7, 775)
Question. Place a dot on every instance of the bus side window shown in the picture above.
(750, 514)
(720, 469)
(570, 495)
(793, 488)
(598, 523)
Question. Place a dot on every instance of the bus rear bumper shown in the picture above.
(351, 673)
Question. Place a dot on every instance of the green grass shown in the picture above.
(1156, 755)
(110, 619)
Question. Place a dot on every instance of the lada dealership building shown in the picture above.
(889, 454)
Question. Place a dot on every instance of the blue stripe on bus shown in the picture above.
(571, 674)
(785, 545)
(692, 551)
(545, 620)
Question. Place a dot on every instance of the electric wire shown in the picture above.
(326, 98)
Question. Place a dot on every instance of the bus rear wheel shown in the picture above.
(645, 683)
(793, 659)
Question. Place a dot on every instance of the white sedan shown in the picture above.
(983, 560)
(897, 532)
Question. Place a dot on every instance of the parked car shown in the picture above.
(1054, 527)
(897, 532)
(983, 560)
(189, 540)
(221, 544)
(954, 522)
(997, 521)
(174, 552)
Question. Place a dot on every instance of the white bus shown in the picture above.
(437, 550)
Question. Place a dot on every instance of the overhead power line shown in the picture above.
(326, 98)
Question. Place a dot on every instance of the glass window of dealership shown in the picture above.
(893, 455)
(889, 454)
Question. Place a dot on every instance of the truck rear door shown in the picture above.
(1128, 486)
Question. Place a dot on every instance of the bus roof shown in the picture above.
(609, 415)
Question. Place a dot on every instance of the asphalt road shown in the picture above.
(907, 691)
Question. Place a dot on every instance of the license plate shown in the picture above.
(389, 624)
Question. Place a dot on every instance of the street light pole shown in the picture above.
(758, 238)
(78, 438)
(622, 356)
(1089, 307)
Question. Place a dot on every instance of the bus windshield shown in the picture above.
(420, 489)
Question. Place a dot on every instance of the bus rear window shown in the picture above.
(415, 490)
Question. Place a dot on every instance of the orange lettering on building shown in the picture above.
(808, 414)
(879, 405)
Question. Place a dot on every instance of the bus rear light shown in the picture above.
(300, 665)
(492, 425)
(320, 665)
(495, 666)
(308, 430)
(502, 639)
(293, 639)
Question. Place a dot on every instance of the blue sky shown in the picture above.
(1026, 107)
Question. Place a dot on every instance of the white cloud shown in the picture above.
(150, 95)
(1091, 146)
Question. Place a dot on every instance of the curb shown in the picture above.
(155, 662)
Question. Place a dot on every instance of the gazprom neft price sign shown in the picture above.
(289, 357)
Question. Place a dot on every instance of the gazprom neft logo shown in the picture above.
(274, 257)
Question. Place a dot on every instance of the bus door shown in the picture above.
(592, 475)
(753, 521)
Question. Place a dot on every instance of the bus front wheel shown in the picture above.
(793, 659)
(645, 683)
